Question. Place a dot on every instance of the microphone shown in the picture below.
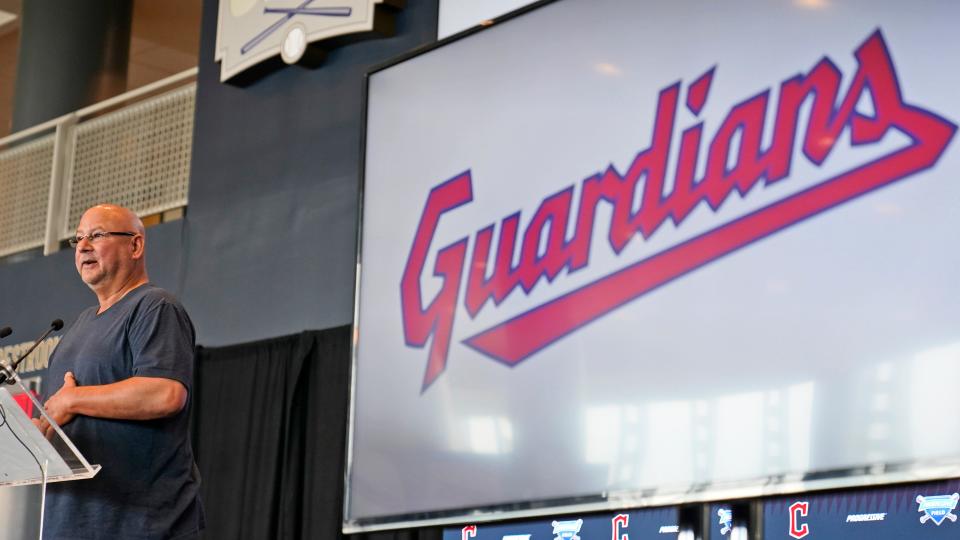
(5, 331)
(8, 374)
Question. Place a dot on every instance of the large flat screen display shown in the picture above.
(637, 252)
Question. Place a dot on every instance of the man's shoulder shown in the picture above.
(148, 301)
(152, 305)
(150, 295)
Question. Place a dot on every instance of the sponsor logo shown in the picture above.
(826, 98)
(567, 530)
(799, 510)
(858, 518)
(251, 31)
(618, 523)
(726, 520)
(667, 529)
(37, 361)
(938, 508)
(470, 531)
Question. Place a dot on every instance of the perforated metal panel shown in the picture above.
(24, 191)
(138, 157)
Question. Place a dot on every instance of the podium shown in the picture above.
(29, 457)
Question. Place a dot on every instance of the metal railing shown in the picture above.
(133, 149)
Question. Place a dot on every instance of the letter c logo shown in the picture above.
(797, 511)
(620, 522)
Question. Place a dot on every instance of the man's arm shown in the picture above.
(136, 398)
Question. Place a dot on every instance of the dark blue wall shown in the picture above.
(268, 246)
(271, 229)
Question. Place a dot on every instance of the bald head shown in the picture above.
(117, 214)
(111, 257)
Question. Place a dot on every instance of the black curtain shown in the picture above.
(269, 432)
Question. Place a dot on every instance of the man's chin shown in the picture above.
(91, 279)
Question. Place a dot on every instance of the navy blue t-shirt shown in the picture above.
(148, 487)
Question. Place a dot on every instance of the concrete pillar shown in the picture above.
(72, 54)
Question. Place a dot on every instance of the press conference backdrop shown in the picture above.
(631, 253)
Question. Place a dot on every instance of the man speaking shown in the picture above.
(119, 383)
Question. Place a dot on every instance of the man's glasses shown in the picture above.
(93, 238)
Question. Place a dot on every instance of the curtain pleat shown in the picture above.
(269, 432)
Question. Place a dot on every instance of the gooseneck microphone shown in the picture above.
(5, 331)
(8, 374)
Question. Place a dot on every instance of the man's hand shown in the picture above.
(60, 405)
(44, 427)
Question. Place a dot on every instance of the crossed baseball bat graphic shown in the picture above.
(950, 515)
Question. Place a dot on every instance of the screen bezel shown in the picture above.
(777, 485)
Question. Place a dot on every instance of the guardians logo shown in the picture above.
(491, 277)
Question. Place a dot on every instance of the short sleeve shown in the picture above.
(162, 343)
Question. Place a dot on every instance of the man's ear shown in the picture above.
(137, 246)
